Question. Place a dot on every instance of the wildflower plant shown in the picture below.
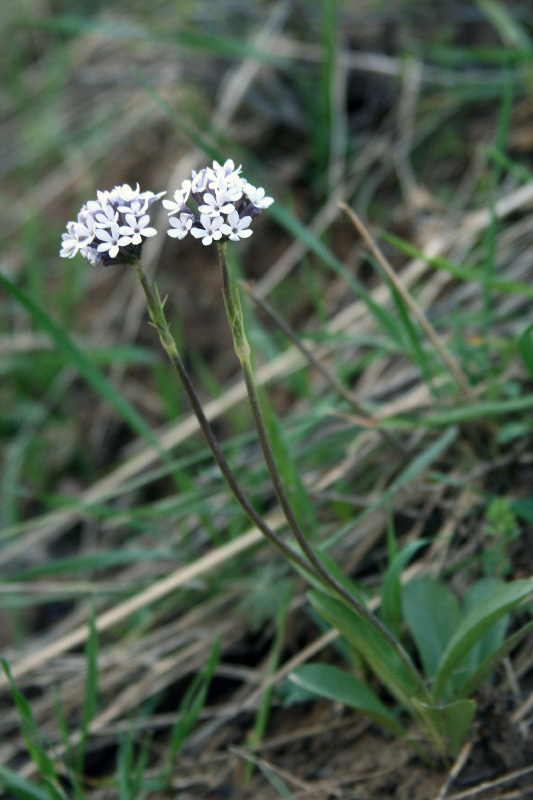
(217, 205)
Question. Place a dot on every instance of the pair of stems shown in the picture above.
(311, 565)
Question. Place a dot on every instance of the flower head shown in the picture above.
(111, 229)
(224, 205)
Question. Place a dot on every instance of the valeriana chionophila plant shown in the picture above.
(217, 205)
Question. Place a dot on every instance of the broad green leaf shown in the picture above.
(335, 684)
(477, 594)
(452, 721)
(372, 646)
(432, 615)
(475, 625)
(391, 606)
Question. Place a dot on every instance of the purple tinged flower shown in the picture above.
(180, 226)
(111, 229)
(135, 228)
(70, 244)
(111, 240)
(237, 227)
(257, 196)
(210, 230)
(105, 216)
(215, 205)
(225, 204)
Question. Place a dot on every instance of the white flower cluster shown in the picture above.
(226, 205)
(110, 229)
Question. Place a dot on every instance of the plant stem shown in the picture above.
(155, 309)
(243, 352)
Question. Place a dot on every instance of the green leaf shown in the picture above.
(191, 704)
(391, 589)
(474, 680)
(335, 684)
(464, 272)
(432, 614)
(21, 787)
(371, 645)
(475, 625)
(525, 348)
(477, 594)
(452, 721)
(29, 730)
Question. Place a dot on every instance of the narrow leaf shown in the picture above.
(475, 625)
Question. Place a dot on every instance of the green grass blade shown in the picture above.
(191, 705)
(20, 787)
(465, 272)
(84, 365)
(511, 32)
(29, 730)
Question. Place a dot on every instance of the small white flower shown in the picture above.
(85, 228)
(70, 244)
(105, 217)
(180, 198)
(227, 169)
(137, 207)
(181, 226)
(135, 228)
(257, 196)
(111, 241)
(210, 231)
(201, 179)
(237, 228)
(149, 197)
(232, 187)
(215, 205)
(127, 193)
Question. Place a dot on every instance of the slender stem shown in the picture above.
(328, 374)
(155, 308)
(243, 352)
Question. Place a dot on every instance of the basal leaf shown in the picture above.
(432, 615)
(475, 625)
(335, 684)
